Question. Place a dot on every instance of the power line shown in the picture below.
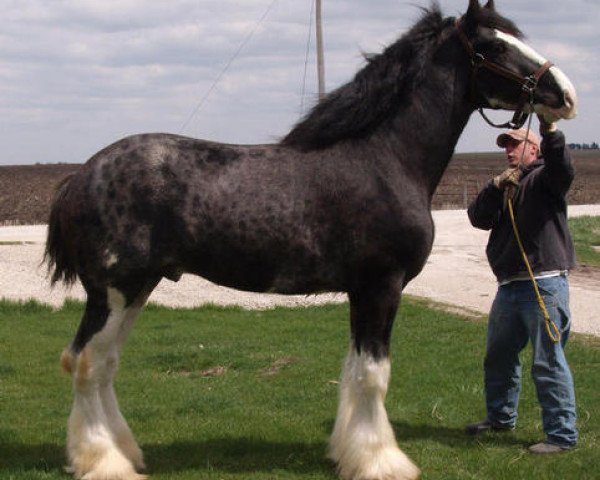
(226, 68)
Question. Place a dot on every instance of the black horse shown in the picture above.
(342, 204)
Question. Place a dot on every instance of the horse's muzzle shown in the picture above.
(568, 110)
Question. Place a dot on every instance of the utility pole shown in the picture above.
(320, 59)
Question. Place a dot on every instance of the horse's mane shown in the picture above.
(382, 87)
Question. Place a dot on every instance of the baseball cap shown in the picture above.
(520, 135)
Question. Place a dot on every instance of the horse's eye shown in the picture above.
(493, 49)
(498, 47)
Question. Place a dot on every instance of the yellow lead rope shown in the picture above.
(551, 328)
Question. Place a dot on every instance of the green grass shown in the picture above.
(268, 411)
(586, 235)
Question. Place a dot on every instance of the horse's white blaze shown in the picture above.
(569, 110)
(100, 444)
(525, 49)
(363, 441)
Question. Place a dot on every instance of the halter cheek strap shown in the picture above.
(528, 84)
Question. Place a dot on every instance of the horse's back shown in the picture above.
(165, 204)
(262, 217)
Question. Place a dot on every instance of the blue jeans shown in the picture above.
(515, 319)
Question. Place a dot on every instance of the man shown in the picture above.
(538, 187)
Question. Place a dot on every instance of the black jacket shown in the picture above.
(541, 212)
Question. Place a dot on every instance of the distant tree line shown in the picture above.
(584, 146)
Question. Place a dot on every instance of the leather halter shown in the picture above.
(528, 84)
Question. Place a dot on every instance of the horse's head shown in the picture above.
(509, 74)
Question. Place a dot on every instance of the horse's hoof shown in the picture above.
(103, 476)
(134, 476)
(386, 464)
(110, 466)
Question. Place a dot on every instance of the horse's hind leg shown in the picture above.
(100, 444)
(363, 442)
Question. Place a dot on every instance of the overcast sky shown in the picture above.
(76, 75)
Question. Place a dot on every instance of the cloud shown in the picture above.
(76, 74)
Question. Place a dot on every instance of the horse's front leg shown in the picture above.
(363, 443)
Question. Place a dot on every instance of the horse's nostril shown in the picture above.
(570, 100)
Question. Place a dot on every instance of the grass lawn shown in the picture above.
(222, 393)
(586, 235)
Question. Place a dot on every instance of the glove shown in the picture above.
(510, 176)
(545, 126)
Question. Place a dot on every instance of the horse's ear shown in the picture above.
(474, 6)
(490, 5)
(470, 18)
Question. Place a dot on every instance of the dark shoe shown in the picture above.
(485, 426)
(545, 448)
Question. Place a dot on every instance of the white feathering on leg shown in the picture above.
(363, 441)
(118, 425)
(95, 451)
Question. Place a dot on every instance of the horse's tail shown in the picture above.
(60, 254)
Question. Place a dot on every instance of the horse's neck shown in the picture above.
(426, 133)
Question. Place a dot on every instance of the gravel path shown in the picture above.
(456, 273)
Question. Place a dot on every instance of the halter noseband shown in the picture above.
(528, 84)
